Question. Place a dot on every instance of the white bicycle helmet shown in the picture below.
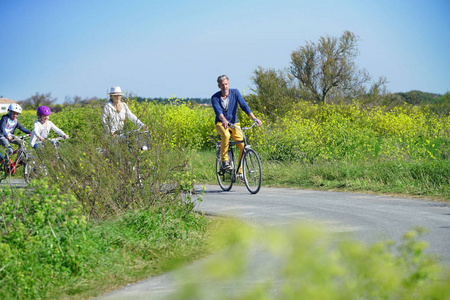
(15, 107)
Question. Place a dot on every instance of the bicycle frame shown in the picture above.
(21, 155)
(55, 143)
(246, 146)
(249, 162)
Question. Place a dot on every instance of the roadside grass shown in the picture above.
(423, 178)
(134, 247)
(49, 250)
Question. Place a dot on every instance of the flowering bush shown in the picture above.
(335, 132)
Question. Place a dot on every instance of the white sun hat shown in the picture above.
(115, 90)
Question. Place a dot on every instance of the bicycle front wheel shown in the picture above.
(33, 169)
(252, 171)
(224, 177)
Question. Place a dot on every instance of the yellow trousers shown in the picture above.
(225, 134)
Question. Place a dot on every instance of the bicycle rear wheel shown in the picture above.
(252, 171)
(224, 177)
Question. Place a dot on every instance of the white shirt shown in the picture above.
(224, 102)
(42, 130)
(10, 124)
(113, 121)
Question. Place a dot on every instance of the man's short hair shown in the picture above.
(221, 78)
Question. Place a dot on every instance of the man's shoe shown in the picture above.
(226, 166)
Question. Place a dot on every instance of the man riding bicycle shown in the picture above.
(225, 103)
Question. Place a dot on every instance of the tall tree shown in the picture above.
(275, 89)
(328, 70)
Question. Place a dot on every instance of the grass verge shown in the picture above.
(425, 178)
(48, 250)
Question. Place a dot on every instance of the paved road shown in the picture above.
(368, 218)
(13, 182)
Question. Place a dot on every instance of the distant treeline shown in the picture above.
(413, 97)
(171, 100)
(418, 97)
(438, 102)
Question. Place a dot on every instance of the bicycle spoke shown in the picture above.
(252, 171)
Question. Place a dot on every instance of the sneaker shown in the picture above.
(226, 166)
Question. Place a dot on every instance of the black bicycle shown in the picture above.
(250, 163)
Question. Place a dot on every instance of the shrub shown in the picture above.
(36, 239)
(48, 250)
(122, 176)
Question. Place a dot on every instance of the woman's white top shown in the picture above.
(113, 121)
(42, 130)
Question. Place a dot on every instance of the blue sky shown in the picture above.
(178, 48)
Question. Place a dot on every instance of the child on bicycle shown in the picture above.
(42, 127)
(8, 124)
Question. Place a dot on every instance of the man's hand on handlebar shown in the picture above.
(225, 124)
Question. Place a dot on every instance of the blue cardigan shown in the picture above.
(234, 98)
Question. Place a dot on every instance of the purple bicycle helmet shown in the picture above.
(43, 111)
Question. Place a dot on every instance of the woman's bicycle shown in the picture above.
(9, 166)
(137, 141)
(249, 162)
(138, 137)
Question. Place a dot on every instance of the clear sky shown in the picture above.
(179, 47)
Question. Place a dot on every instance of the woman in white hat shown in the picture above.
(115, 112)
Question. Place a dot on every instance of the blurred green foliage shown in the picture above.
(303, 262)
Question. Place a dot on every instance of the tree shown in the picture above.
(77, 100)
(441, 106)
(37, 100)
(275, 90)
(327, 69)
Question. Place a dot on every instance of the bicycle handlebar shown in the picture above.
(138, 131)
(59, 138)
(242, 128)
(20, 138)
